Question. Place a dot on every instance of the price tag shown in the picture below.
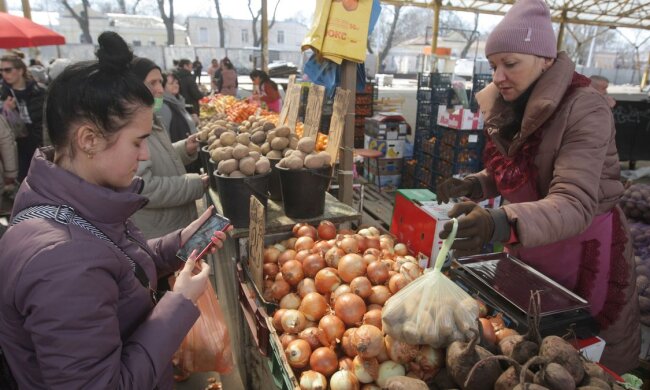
(256, 242)
(473, 138)
(342, 102)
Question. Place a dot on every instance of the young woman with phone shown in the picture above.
(76, 303)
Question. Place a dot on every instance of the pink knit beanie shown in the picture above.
(525, 29)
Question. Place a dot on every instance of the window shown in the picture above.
(203, 35)
(137, 43)
(244, 36)
(152, 43)
(280, 37)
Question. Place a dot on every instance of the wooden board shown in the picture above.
(256, 241)
(314, 110)
(294, 106)
(285, 107)
(342, 102)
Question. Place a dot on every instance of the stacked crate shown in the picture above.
(459, 152)
(363, 109)
(434, 89)
(479, 81)
(385, 133)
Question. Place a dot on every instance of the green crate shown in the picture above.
(283, 376)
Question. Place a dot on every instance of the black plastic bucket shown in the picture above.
(303, 191)
(275, 189)
(204, 156)
(212, 169)
(234, 195)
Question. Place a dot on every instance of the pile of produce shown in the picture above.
(636, 202)
(278, 142)
(305, 156)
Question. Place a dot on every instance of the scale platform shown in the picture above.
(504, 283)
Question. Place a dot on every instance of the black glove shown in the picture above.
(453, 188)
(475, 229)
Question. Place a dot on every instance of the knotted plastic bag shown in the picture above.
(432, 309)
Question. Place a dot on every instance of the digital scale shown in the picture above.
(504, 283)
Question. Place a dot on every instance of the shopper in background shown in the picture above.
(228, 83)
(173, 116)
(601, 83)
(551, 153)
(265, 90)
(197, 68)
(189, 89)
(56, 67)
(22, 106)
(76, 309)
(212, 73)
(172, 192)
(8, 162)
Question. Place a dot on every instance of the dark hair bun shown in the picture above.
(113, 54)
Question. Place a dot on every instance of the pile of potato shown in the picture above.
(305, 156)
(257, 128)
(237, 156)
(636, 202)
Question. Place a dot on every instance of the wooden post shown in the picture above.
(646, 74)
(294, 106)
(560, 34)
(27, 10)
(437, 4)
(265, 37)
(348, 82)
(314, 110)
(3, 6)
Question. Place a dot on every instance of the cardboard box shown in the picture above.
(591, 348)
(388, 148)
(385, 166)
(387, 126)
(460, 119)
(386, 183)
(438, 213)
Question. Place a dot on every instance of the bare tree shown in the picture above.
(471, 36)
(135, 6)
(168, 19)
(383, 53)
(222, 30)
(257, 37)
(82, 19)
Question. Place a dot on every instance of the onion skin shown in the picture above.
(373, 317)
(298, 353)
(312, 380)
(367, 340)
(277, 319)
(327, 280)
(304, 242)
(397, 282)
(279, 289)
(378, 272)
(314, 336)
(285, 256)
(293, 321)
(313, 306)
(326, 230)
(361, 286)
(286, 338)
(271, 255)
(324, 360)
(346, 343)
(306, 286)
(379, 295)
(333, 327)
(351, 266)
(349, 245)
(270, 270)
(292, 272)
(290, 301)
(312, 264)
(350, 308)
(307, 231)
(344, 380)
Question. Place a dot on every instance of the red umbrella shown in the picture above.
(16, 31)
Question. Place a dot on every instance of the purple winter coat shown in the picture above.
(72, 313)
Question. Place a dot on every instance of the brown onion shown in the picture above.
(430, 360)
(378, 272)
(350, 308)
(399, 351)
(279, 277)
(351, 266)
(401, 249)
(327, 280)
(372, 242)
(366, 370)
(368, 258)
(333, 255)
(373, 317)
(304, 242)
(313, 306)
(285, 256)
(290, 242)
(277, 319)
(296, 227)
(346, 343)
(361, 286)
(340, 290)
(292, 272)
(380, 295)
(410, 271)
(345, 363)
(290, 301)
(315, 337)
(397, 282)
(307, 231)
(333, 328)
(367, 340)
(270, 270)
(312, 380)
(302, 255)
(306, 286)
(271, 255)
(326, 230)
(361, 243)
(373, 251)
(287, 338)
(321, 247)
(383, 354)
(349, 244)
(279, 289)
(344, 380)
(298, 353)
(312, 264)
(374, 306)
(293, 321)
(324, 360)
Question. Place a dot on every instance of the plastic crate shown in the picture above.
(479, 81)
(428, 80)
(429, 145)
(448, 169)
(427, 161)
(458, 155)
(283, 375)
(437, 95)
(424, 175)
(408, 181)
(254, 315)
(461, 138)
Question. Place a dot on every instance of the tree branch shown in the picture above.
(275, 10)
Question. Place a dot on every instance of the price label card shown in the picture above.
(256, 242)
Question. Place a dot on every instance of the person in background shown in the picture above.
(23, 101)
(76, 304)
(189, 89)
(173, 115)
(56, 67)
(8, 160)
(551, 153)
(172, 192)
(197, 67)
(265, 90)
(228, 84)
(601, 83)
(212, 70)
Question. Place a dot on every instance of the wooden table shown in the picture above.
(253, 366)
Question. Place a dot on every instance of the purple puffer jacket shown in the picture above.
(72, 313)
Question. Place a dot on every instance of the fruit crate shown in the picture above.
(408, 181)
(461, 138)
(479, 81)
(458, 155)
(429, 80)
(435, 96)
(363, 99)
(427, 161)
(429, 146)
(424, 175)
(283, 375)
(448, 169)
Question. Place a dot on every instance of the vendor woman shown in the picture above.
(551, 154)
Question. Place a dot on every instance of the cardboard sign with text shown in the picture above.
(342, 102)
(294, 106)
(285, 107)
(256, 242)
(314, 110)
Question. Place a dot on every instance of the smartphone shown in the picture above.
(201, 239)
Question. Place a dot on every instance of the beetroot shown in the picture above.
(557, 350)
(523, 348)
(508, 379)
(461, 358)
(443, 381)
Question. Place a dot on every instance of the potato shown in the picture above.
(244, 138)
(306, 145)
(258, 137)
(240, 151)
(228, 138)
(313, 161)
(237, 174)
(294, 162)
(274, 154)
(288, 152)
(214, 155)
(268, 126)
(226, 167)
(293, 141)
(252, 118)
(212, 139)
(279, 143)
(266, 148)
(219, 130)
(247, 166)
(223, 153)
(263, 165)
(270, 136)
(203, 135)
(254, 148)
(283, 131)
(256, 155)
(327, 158)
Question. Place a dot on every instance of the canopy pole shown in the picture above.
(3, 6)
(437, 4)
(265, 37)
(560, 35)
(646, 74)
(27, 10)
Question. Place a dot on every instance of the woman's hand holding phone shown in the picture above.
(190, 285)
(205, 234)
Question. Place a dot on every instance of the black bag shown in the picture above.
(7, 381)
